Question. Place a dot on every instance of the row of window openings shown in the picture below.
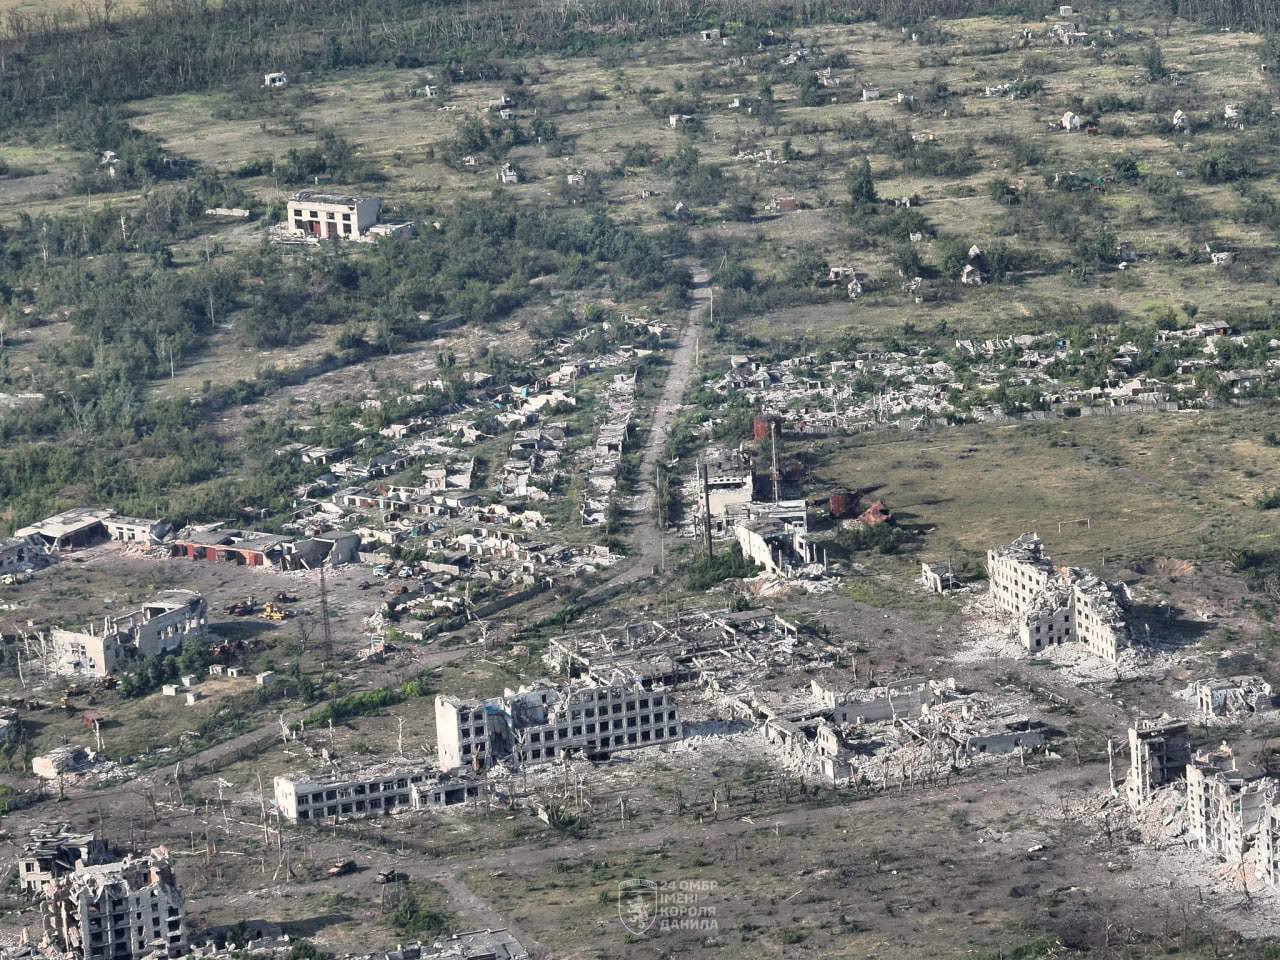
(535, 753)
(301, 225)
(359, 789)
(477, 732)
(374, 803)
(564, 732)
(478, 715)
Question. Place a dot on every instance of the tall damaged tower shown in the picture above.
(116, 911)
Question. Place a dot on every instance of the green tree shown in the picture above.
(1153, 62)
(862, 187)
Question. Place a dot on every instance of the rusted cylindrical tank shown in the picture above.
(843, 504)
(759, 427)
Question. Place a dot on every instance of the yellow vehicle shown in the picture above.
(272, 611)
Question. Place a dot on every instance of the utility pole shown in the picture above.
(706, 508)
(773, 433)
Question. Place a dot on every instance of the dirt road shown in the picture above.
(647, 536)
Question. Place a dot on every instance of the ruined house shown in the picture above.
(1055, 605)
(116, 911)
(54, 851)
(159, 626)
(938, 577)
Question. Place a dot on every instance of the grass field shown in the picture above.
(1180, 485)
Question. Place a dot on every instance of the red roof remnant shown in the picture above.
(876, 513)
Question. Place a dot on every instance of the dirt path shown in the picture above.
(647, 536)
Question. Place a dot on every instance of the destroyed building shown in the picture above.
(906, 730)
(1233, 697)
(116, 911)
(716, 650)
(1224, 807)
(1159, 752)
(22, 553)
(1055, 605)
(301, 798)
(727, 482)
(65, 759)
(159, 626)
(54, 851)
(542, 722)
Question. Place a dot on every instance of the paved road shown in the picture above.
(647, 536)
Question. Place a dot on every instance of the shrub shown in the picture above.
(730, 564)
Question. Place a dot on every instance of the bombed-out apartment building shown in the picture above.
(371, 792)
(159, 626)
(123, 910)
(1227, 814)
(1055, 605)
(542, 722)
(1159, 751)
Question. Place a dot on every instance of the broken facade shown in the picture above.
(1223, 806)
(116, 911)
(303, 799)
(541, 722)
(1056, 605)
(1159, 752)
(53, 852)
(160, 626)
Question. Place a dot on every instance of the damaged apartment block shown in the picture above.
(1159, 752)
(115, 911)
(1225, 813)
(1054, 605)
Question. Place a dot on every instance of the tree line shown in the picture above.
(52, 60)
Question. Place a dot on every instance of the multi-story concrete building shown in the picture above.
(317, 214)
(1055, 605)
(1159, 752)
(116, 911)
(157, 627)
(303, 799)
(728, 482)
(540, 723)
(1269, 842)
(53, 852)
(1224, 807)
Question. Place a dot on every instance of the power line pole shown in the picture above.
(773, 434)
(706, 507)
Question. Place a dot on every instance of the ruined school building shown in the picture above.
(540, 722)
(1054, 605)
